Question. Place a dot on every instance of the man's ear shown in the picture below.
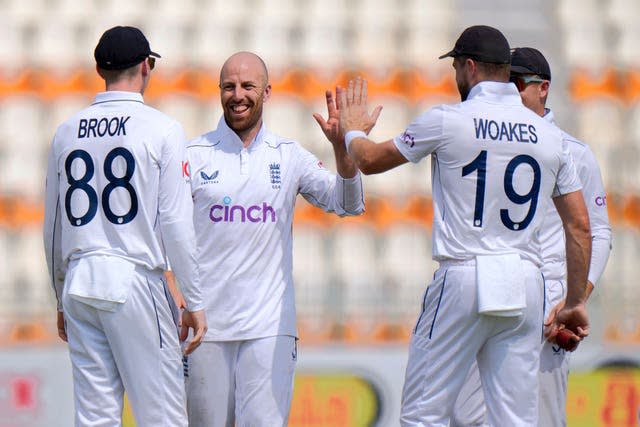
(145, 70)
(544, 88)
(471, 66)
(267, 93)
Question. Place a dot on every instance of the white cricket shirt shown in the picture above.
(495, 167)
(243, 208)
(552, 233)
(116, 191)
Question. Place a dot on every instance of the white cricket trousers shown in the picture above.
(245, 383)
(450, 335)
(554, 367)
(135, 348)
(553, 375)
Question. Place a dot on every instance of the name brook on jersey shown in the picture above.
(505, 131)
(114, 126)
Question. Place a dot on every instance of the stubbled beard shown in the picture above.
(464, 92)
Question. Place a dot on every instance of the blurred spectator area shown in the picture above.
(357, 279)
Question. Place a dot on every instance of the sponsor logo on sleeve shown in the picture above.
(601, 200)
(408, 139)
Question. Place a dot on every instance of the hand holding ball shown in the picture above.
(566, 340)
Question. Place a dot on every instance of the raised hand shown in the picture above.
(352, 107)
(331, 126)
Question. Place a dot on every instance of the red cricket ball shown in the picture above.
(566, 340)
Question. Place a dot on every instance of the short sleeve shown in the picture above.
(567, 180)
(422, 136)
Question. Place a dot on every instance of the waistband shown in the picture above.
(471, 262)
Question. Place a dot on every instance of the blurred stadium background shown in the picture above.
(358, 281)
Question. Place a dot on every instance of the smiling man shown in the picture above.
(244, 182)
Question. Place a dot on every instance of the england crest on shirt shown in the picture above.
(274, 175)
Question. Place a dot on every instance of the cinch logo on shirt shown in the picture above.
(234, 213)
(505, 131)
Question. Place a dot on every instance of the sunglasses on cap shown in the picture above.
(152, 62)
(522, 81)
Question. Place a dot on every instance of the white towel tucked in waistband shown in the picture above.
(101, 281)
(501, 285)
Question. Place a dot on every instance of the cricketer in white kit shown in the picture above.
(244, 182)
(554, 361)
(116, 206)
(495, 167)
(531, 74)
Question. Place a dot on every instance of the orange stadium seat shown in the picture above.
(31, 332)
(418, 86)
(419, 209)
(615, 208)
(585, 85)
(299, 82)
(631, 86)
(631, 212)
(16, 213)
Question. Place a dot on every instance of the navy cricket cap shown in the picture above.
(527, 60)
(122, 47)
(483, 44)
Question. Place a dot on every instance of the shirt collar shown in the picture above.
(548, 116)
(116, 95)
(496, 92)
(222, 124)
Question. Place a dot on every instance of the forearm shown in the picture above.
(372, 158)
(345, 166)
(575, 221)
(578, 247)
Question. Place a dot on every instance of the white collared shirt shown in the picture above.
(243, 212)
(552, 233)
(116, 189)
(495, 167)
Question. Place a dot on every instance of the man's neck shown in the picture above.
(124, 86)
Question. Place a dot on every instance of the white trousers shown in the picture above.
(450, 336)
(553, 374)
(133, 349)
(554, 367)
(243, 383)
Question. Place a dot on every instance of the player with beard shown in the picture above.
(495, 167)
(531, 74)
(244, 182)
